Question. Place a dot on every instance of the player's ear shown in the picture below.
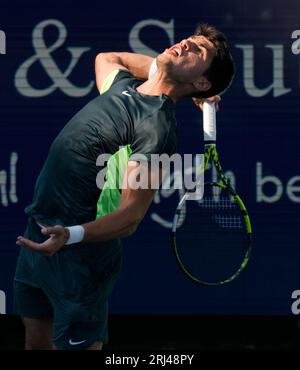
(202, 84)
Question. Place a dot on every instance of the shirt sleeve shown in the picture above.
(154, 135)
(113, 78)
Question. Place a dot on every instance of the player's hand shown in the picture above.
(214, 99)
(58, 236)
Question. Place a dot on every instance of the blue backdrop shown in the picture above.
(47, 75)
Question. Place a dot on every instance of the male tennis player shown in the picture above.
(62, 291)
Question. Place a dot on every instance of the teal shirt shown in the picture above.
(116, 123)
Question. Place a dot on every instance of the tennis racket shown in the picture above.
(211, 236)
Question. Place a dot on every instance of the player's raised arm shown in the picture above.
(137, 64)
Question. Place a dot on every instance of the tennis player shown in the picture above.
(62, 291)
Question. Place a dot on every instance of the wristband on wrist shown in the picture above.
(152, 69)
(76, 234)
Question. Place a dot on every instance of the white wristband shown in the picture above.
(152, 69)
(76, 234)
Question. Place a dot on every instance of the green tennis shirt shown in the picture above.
(121, 123)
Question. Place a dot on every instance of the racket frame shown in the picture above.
(211, 154)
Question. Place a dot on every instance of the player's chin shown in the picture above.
(165, 61)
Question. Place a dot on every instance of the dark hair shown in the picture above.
(221, 70)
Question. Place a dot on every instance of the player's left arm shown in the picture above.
(120, 223)
(135, 201)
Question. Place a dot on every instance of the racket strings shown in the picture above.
(229, 216)
(229, 222)
(211, 238)
(217, 203)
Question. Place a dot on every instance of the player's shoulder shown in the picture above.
(115, 78)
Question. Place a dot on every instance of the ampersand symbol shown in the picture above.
(43, 55)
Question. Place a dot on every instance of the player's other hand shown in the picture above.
(214, 99)
(58, 236)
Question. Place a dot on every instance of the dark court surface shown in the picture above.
(182, 333)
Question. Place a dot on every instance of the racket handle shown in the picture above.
(209, 122)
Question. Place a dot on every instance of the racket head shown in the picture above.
(211, 237)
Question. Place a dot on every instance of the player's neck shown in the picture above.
(158, 85)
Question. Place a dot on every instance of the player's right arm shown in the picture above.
(137, 64)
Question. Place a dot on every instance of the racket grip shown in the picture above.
(209, 122)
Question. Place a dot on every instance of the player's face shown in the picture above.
(186, 61)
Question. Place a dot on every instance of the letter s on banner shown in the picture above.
(138, 46)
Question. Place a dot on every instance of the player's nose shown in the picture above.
(185, 44)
